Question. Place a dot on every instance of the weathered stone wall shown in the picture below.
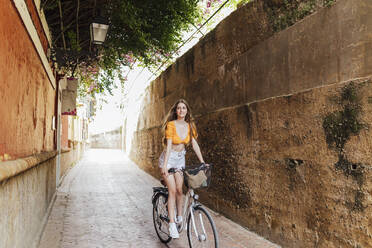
(268, 117)
(107, 140)
(27, 187)
(26, 95)
(330, 46)
(70, 157)
(24, 200)
(276, 173)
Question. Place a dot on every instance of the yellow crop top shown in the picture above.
(171, 133)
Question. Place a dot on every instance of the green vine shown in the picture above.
(285, 13)
(338, 127)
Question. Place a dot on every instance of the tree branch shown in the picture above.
(60, 14)
(77, 22)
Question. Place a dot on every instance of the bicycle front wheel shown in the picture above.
(201, 230)
(160, 218)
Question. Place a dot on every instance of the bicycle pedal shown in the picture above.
(178, 228)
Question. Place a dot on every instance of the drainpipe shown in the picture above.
(61, 84)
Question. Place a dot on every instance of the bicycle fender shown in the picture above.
(197, 204)
(154, 196)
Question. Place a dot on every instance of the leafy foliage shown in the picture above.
(147, 28)
(144, 31)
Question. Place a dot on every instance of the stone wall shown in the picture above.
(107, 140)
(276, 173)
(215, 74)
(70, 157)
(291, 150)
(27, 187)
(24, 198)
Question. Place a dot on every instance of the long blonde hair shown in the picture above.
(172, 115)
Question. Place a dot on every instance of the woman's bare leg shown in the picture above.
(171, 184)
(179, 195)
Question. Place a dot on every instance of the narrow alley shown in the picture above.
(276, 94)
(105, 201)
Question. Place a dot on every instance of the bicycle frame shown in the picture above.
(188, 208)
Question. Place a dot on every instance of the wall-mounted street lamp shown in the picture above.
(98, 30)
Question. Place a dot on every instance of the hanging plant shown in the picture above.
(146, 32)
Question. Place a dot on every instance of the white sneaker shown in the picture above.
(178, 220)
(173, 232)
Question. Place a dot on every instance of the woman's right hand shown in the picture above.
(164, 172)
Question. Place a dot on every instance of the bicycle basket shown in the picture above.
(198, 177)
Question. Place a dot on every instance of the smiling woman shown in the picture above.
(179, 131)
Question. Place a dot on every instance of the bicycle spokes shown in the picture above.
(202, 236)
(160, 217)
(201, 230)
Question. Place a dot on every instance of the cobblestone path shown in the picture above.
(105, 201)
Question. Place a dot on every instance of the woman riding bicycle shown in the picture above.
(179, 131)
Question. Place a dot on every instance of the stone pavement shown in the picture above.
(105, 201)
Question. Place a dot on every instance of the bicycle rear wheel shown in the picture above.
(204, 233)
(160, 217)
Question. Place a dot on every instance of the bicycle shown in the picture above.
(201, 230)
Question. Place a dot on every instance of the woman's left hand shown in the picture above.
(205, 164)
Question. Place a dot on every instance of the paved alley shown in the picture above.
(105, 201)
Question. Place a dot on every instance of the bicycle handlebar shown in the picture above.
(200, 167)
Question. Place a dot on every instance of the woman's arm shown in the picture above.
(196, 148)
(164, 170)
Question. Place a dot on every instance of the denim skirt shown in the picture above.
(176, 159)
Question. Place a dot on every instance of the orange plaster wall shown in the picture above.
(37, 23)
(27, 99)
